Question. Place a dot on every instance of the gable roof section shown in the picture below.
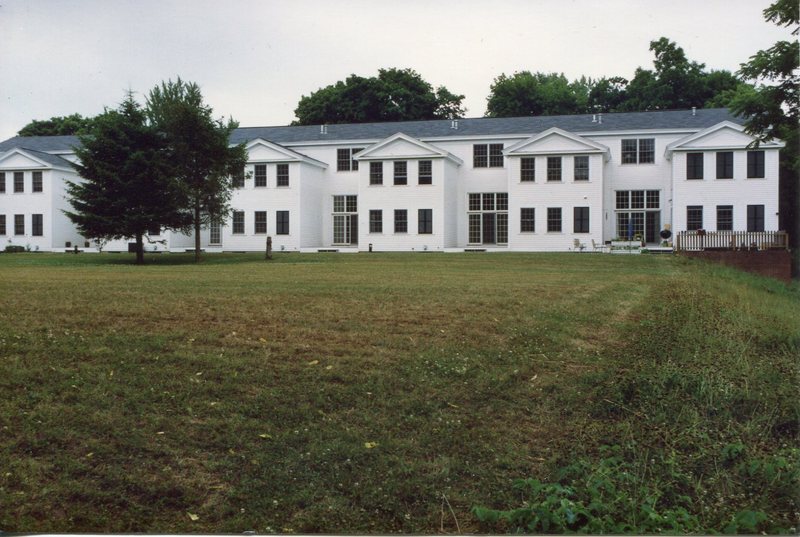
(20, 157)
(723, 135)
(272, 152)
(556, 141)
(402, 146)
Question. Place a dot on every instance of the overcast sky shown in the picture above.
(255, 59)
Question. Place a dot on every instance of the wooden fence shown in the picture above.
(731, 240)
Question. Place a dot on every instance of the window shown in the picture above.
(281, 222)
(487, 155)
(724, 217)
(653, 199)
(37, 225)
(401, 172)
(238, 180)
(345, 204)
(425, 176)
(261, 175)
(2, 182)
(755, 218)
(400, 221)
(725, 165)
(376, 221)
(345, 161)
(283, 175)
(623, 199)
(554, 168)
(19, 224)
(527, 220)
(215, 233)
(755, 164)
(694, 165)
(527, 169)
(37, 181)
(554, 219)
(238, 222)
(154, 231)
(425, 221)
(637, 199)
(638, 213)
(487, 218)
(694, 217)
(641, 151)
(376, 173)
(19, 181)
(582, 168)
(2, 224)
(581, 223)
(260, 223)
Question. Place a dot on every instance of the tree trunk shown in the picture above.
(139, 249)
(197, 232)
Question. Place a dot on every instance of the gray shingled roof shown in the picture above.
(53, 160)
(622, 121)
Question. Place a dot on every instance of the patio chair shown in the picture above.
(578, 246)
(599, 247)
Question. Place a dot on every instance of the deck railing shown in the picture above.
(731, 240)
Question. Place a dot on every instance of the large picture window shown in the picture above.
(638, 213)
(487, 218)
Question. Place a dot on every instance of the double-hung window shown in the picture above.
(425, 221)
(694, 165)
(2, 224)
(553, 169)
(37, 181)
(581, 172)
(425, 175)
(554, 219)
(755, 164)
(638, 151)
(725, 165)
(487, 155)
(376, 221)
(527, 169)
(19, 182)
(282, 175)
(724, 217)
(238, 222)
(694, 217)
(237, 181)
(260, 175)
(527, 219)
(19, 224)
(376, 173)
(260, 223)
(400, 172)
(2, 182)
(401, 221)
(345, 159)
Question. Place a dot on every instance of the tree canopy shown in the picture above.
(200, 159)
(126, 190)
(394, 95)
(675, 82)
(57, 126)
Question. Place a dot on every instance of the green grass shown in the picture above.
(246, 393)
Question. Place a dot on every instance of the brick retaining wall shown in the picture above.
(773, 263)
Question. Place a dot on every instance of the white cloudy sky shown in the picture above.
(254, 59)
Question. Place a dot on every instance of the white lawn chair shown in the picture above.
(578, 246)
(599, 247)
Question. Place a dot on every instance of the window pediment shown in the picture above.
(554, 142)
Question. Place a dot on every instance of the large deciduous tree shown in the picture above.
(201, 159)
(57, 126)
(533, 94)
(126, 190)
(394, 95)
(773, 110)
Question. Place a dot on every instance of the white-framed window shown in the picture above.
(37, 181)
(694, 217)
(19, 224)
(345, 159)
(581, 168)
(425, 172)
(376, 173)
(401, 221)
(487, 155)
(400, 172)
(215, 233)
(553, 169)
(527, 220)
(425, 221)
(580, 222)
(282, 174)
(375, 221)
(281, 222)
(527, 169)
(37, 225)
(487, 218)
(554, 219)
(2, 182)
(260, 222)
(638, 150)
(755, 164)
(260, 175)
(724, 217)
(19, 182)
(238, 223)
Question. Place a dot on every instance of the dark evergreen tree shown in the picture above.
(201, 161)
(126, 191)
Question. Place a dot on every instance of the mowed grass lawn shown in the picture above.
(385, 392)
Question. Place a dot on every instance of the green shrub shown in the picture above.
(14, 248)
